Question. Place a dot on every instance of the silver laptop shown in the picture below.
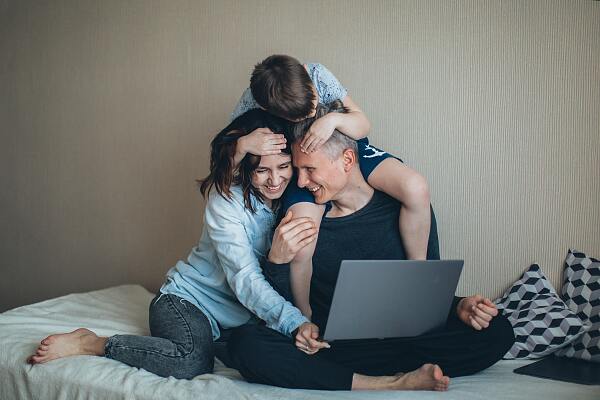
(377, 299)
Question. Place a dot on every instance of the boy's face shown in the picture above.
(313, 110)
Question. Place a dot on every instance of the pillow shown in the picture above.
(541, 320)
(581, 292)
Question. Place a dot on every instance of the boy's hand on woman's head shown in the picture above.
(262, 142)
(319, 132)
(476, 311)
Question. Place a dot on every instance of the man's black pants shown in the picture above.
(263, 355)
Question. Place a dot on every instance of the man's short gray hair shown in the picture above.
(337, 142)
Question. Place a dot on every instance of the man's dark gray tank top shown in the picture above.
(370, 233)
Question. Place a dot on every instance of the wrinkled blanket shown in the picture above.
(124, 310)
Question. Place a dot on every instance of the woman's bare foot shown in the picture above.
(79, 342)
(428, 377)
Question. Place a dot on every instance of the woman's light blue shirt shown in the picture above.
(222, 275)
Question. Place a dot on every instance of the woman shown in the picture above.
(221, 285)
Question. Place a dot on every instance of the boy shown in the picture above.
(283, 86)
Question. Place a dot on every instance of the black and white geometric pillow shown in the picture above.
(541, 320)
(581, 293)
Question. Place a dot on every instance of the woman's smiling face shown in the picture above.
(272, 175)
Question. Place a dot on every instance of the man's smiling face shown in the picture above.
(318, 173)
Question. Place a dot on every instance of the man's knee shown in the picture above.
(491, 343)
(499, 336)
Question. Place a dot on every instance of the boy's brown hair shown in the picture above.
(281, 85)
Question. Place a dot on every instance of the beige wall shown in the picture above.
(107, 109)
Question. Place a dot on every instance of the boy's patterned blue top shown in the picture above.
(328, 88)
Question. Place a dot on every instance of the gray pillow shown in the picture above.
(581, 293)
(541, 320)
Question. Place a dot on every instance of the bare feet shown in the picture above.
(79, 342)
(428, 377)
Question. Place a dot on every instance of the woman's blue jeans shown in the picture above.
(181, 344)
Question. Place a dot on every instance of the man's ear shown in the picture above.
(349, 159)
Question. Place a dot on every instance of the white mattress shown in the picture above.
(124, 309)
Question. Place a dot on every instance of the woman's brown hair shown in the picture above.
(222, 172)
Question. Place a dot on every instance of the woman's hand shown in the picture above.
(476, 311)
(290, 236)
(307, 339)
(261, 142)
(320, 131)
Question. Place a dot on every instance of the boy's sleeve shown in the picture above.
(246, 103)
(293, 195)
(328, 87)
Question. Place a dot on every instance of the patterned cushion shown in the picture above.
(541, 320)
(581, 292)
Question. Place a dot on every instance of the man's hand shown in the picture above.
(261, 142)
(476, 311)
(290, 236)
(306, 339)
(320, 131)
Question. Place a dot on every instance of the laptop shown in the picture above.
(378, 299)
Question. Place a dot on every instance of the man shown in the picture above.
(360, 224)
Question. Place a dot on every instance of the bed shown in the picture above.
(124, 309)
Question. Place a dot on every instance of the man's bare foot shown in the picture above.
(79, 342)
(428, 377)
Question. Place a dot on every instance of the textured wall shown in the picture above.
(107, 109)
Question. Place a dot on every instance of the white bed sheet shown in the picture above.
(124, 309)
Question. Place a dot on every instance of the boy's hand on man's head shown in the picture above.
(262, 142)
(319, 132)
(476, 311)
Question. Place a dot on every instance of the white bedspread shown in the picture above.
(124, 309)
